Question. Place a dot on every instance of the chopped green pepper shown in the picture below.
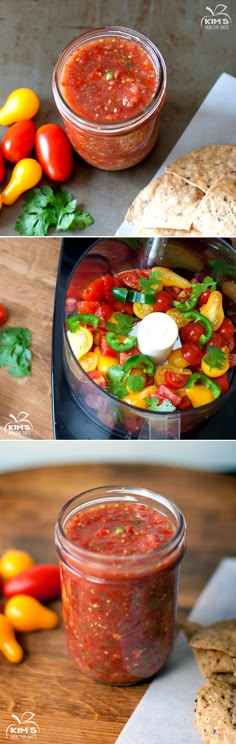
(117, 345)
(207, 381)
(129, 295)
(200, 318)
(85, 318)
(140, 360)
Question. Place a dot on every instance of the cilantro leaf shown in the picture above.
(117, 388)
(215, 357)
(209, 282)
(136, 383)
(222, 268)
(153, 405)
(123, 325)
(47, 207)
(152, 282)
(115, 373)
(14, 351)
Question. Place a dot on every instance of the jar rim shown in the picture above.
(115, 127)
(116, 493)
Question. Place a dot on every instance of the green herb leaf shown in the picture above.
(118, 530)
(117, 388)
(153, 405)
(123, 326)
(14, 351)
(115, 373)
(46, 207)
(215, 357)
(153, 281)
(136, 383)
(221, 269)
(209, 282)
(109, 75)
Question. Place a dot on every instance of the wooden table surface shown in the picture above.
(68, 707)
(33, 34)
(28, 269)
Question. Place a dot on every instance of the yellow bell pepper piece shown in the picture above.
(141, 310)
(81, 342)
(213, 309)
(170, 279)
(27, 613)
(138, 399)
(13, 562)
(8, 643)
(21, 104)
(214, 371)
(178, 317)
(89, 361)
(199, 395)
(25, 175)
(104, 362)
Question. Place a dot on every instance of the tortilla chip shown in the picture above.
(220, 636)
(205, 165)
(214, 662)
(228, 679)
(152, 232)
(216, 714)
(168, 202)
(190, 628)
(216, 215)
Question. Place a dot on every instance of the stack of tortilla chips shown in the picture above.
(195, 196)
(214, 647)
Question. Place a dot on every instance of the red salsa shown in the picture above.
(109, 80)
(120, 623)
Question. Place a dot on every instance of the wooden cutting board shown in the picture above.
(68, 707)
(28, 269)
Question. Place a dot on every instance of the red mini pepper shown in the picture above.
(41, 582)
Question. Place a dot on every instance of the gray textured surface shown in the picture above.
(34, 32)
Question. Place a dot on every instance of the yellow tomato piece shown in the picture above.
(159, 375)
(21, 104)
(25, 175)
(213, 309)
(141, 310)
(170, 279)
(178, 317)
(81, 342)
(104, 362)
(177, 360)
(214, 372)
(89, 361)
(199, 395)
(138, 399)
(13, 562)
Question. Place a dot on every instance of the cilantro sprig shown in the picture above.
(152, 282)
(47, 207)
(221, 268)
(215, 358)
(121, 383)
(14, 351)
(153, 405)
(123, 326)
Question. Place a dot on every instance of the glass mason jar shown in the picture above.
(118, 144)
(119, 608)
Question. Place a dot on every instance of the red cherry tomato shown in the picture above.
(231, 344)
(54, 152)
(223, 382)
(18, 142)
(3, 314)
(216, 340)
(204, 297)
(109, 283)
(227, 329)
(95, 291)
(192, 332)
(163, 302)
(131, 278)
(2, 166)
(175, 380)
(192, 354)
(98, 378)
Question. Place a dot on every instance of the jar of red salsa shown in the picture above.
(119, 552)
(109, 85)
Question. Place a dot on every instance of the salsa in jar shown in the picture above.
(109, 86)
(119, 552)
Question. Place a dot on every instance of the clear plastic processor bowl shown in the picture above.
(113, 255)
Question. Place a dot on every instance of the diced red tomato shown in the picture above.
(109, 283)
(185, 403)
(227, 329)
(98, 378)
(104, 311)
(192, 354)
(204, 297)
(95, 291)
(126, 308)
(104, 347)
(165, 393)
(175, 380)
(87, 307)
(192, 331)
(223, 382)
(163, 302)
(131, 278)
(124, 355)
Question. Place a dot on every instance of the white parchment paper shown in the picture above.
(213, 124)
(166, 711)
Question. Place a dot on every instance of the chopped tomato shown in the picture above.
(185, 403)
(104, 311)
(131, 278)
(87, 307)
(227, 329)
(231, 344)
(204, 297)
(109, 283)
(98, 378)
(104, 347)
(223, 382)
(95, 291)
(175, 380)
(232, 360)
(127, 308)
(165, 393)
(124, 355)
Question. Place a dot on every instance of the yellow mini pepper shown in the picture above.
(25, 175)
(27, 613)
(8, 643)
(22, 103)
(213, 309)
